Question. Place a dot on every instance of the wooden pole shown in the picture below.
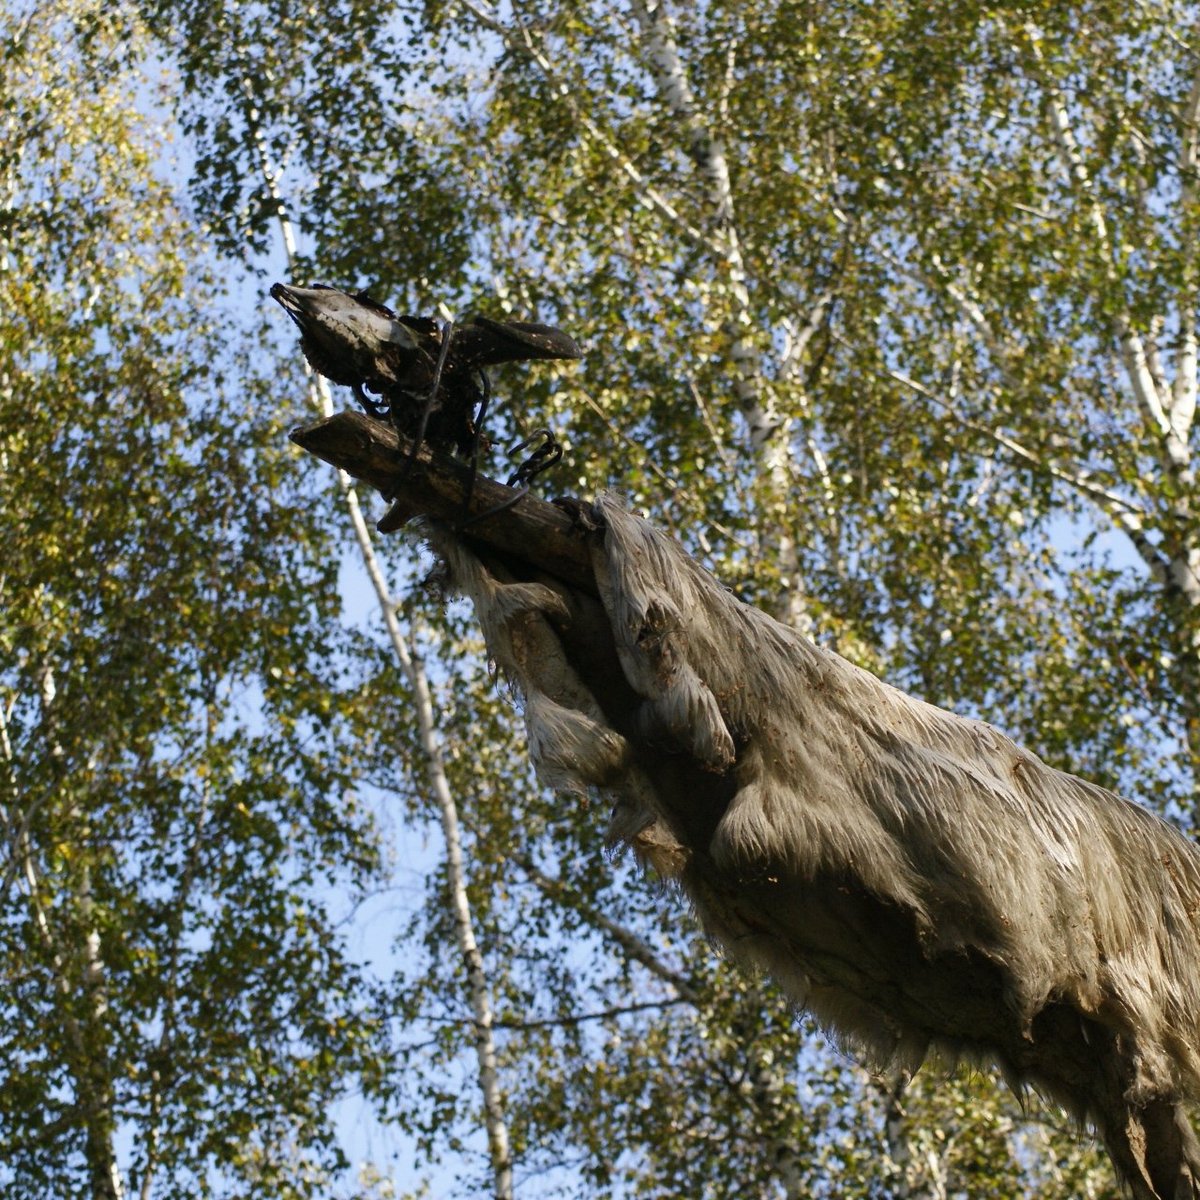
(548, 537)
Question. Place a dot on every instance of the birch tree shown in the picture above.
(179, 1012)
(1039, 311)
(258, 136)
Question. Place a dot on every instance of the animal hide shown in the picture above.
(916, 879)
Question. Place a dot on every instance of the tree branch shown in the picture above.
(603, 1014)
(521, 41)
(630, 943)
(1126, 516)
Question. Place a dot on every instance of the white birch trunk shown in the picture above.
(1170, 409)
(75, 968)
(410, 664)
(918, 1171)
(767, 428)
(1184, 568)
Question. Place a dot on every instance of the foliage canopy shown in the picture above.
(890, 315)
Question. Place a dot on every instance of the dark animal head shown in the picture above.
(352, 339)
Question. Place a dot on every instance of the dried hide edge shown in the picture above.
(915, 878)
(571, 745)
(652, 638)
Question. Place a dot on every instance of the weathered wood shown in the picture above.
(543, 535)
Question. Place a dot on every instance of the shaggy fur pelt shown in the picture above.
(915, 879)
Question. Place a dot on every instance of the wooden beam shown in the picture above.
(548, 537)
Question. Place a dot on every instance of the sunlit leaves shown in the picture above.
(897, 183)
(176, 760)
